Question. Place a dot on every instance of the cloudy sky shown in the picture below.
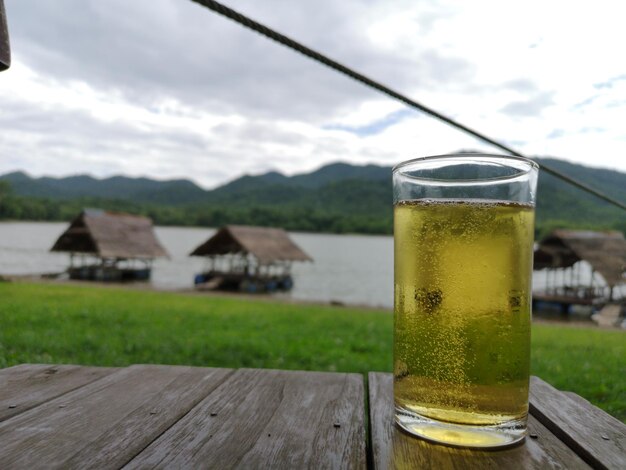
(169, 89)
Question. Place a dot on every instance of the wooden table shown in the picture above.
(150, 416)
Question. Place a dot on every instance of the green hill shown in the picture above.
(335, 198)
(121, 187)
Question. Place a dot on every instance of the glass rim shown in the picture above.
(468, 157)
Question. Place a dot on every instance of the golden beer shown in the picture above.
(462, 314)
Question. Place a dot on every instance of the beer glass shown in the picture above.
(463, 253)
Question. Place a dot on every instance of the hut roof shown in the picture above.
(266, 244)
(111, 235)
(605, 251)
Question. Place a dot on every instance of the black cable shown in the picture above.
(284, 40)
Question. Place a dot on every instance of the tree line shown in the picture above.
(328, 218)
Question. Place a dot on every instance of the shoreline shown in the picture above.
(537, 317)
(147, 287)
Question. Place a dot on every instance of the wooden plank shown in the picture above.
(393, 448)
(269, 419)
(106, 423)
(25, 386)
(577, 398)
(596, 436)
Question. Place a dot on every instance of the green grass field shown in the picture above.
(51, 323)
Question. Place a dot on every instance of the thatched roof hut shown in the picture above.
(111, 235)
(267, 245)
(604, 251)
(248, 259)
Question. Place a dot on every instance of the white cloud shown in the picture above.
(168, 89)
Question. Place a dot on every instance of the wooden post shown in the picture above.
(5, 49)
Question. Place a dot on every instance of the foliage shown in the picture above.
(108, 326)
(338, 198)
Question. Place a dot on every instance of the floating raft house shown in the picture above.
(110, 246)
(560, 253)
(248, 259)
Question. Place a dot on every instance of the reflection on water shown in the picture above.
(351, 269)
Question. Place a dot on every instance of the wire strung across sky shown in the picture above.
(288, 42)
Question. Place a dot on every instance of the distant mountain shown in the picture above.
(560, 203)
(328, 174)
(337, 172)
(610, 182)
(116, 187)
(367, 190)
(336, 197)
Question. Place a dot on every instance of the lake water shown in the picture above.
(351, 269)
